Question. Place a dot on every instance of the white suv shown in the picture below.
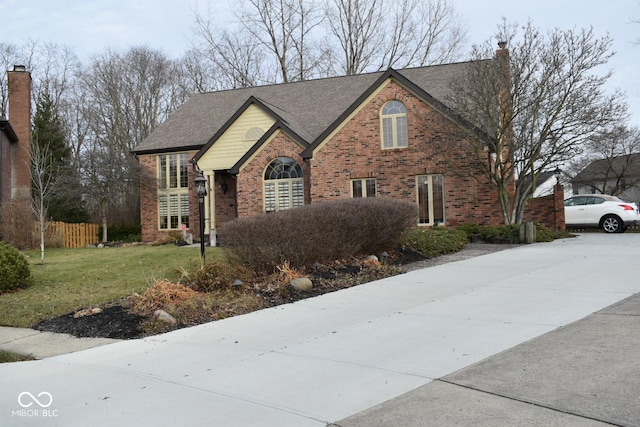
(600, 211)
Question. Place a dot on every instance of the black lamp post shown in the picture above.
(558, 174)
(201, 188)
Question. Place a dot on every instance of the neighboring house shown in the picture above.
(269, 148)
(618, 176)
(546, 182)
(15, 138)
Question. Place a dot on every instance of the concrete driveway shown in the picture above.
(393, 348)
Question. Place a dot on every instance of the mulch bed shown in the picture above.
(116, 321)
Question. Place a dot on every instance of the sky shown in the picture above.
(90, 27)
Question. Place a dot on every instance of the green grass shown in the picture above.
(8, 357)
(72, 279)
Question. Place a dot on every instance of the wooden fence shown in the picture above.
(74, 235)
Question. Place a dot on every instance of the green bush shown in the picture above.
(318, 232)
(14, 269)
(543, 234)
(435, 241)
(504, 233)
(122, 233)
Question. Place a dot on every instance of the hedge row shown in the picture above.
(318, 232)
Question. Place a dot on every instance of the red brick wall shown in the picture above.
(355, 152)
(226, 206)
(5, 168)
(19, 87)
(250, 179)
(149, 200)
(548, 210)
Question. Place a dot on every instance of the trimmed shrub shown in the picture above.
(319, 232)
(504, 233)
(544, 234)
(435, 241)
(14, 269)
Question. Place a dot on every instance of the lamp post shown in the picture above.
(201, 188)
(558, 174)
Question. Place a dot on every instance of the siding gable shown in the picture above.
(232, 144)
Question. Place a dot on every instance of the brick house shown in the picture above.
(15, 138)
(267, 148)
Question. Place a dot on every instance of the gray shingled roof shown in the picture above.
(308, 107)
(624, 166)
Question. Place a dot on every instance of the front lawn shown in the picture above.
(73, 279)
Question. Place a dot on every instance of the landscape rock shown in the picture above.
(302, 283)
(163, 316)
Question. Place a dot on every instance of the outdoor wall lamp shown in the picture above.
(557, 173)
(201, 188)
(224, 187)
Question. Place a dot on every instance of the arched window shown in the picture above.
(393, 117)
(283, 185)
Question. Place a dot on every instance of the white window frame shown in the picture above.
(173, 191)
(286, 191)
(432, 219)
(394, 127)
(364, 187)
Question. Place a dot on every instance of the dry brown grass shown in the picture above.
(161, 295)
(190, 307)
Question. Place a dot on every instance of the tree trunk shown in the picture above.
(104, 225)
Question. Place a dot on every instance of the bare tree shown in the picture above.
(423, 33)
(125, 96)
(540, 102)
(357, 25)
(10, 55)
(43, 174)
(378, 34)
(224, 59)
(273, 41)
(284, 28)
(611, 163)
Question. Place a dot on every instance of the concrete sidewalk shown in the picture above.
(475, 342)
(39, 344)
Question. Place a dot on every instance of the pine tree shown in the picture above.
(48, 134)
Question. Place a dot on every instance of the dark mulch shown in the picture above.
(112, 322)
(116, 321)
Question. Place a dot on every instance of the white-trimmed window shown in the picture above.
(173, 191)
(283, 185)
(430, 198)
(393, 118)
(365, 187)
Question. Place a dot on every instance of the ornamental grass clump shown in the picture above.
(320, 232)
(14, 269)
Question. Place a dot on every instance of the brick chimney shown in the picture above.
(19, 85)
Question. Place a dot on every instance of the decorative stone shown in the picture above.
(371, 260)
(163, 316)
(237, 282)
(302, 283)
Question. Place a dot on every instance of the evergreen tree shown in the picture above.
(48, 134)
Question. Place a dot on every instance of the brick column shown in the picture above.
(19, 85)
